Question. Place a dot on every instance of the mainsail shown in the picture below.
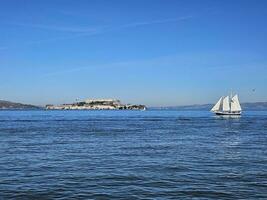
(217, 105)
(235, 105)
(226, 104)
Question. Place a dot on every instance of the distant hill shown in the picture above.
(255, 106)
(6, 105)
(245, 106)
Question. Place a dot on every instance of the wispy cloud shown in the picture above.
(84, 68)
(73, 29)
(90, 31)
(185, 63)
(80, 29)
(161, 21)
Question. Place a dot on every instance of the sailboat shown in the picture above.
(227, 106)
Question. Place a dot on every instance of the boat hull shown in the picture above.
(228, 113)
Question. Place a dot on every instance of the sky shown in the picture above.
(152, 52)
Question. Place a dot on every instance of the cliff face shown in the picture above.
(96, 105)
(12, 105)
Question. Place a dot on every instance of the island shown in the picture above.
(97, 104)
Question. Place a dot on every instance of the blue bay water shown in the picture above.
(132, 155)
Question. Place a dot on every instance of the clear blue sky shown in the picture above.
(156, 52)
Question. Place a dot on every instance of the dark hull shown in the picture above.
(230, 114)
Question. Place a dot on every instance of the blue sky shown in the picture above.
(155, 52)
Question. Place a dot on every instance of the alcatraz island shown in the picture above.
(96, 104)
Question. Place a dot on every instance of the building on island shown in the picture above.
(96, 104)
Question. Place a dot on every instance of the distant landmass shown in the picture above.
(8, 105)
(245, 106)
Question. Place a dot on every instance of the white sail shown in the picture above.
(235, 105)
(216, 107)
(226, 104)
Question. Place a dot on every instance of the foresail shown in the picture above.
(235, 105)
(226, 104)
(216, 107)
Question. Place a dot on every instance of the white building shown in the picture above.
(103, 101)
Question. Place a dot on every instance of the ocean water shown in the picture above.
(132, 155)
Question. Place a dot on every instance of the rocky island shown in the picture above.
(97, 104)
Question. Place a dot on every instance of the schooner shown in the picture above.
(227, 106)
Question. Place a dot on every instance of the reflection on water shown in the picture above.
(132, 155)
(227, 116)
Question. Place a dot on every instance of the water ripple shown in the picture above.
(132, 155)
